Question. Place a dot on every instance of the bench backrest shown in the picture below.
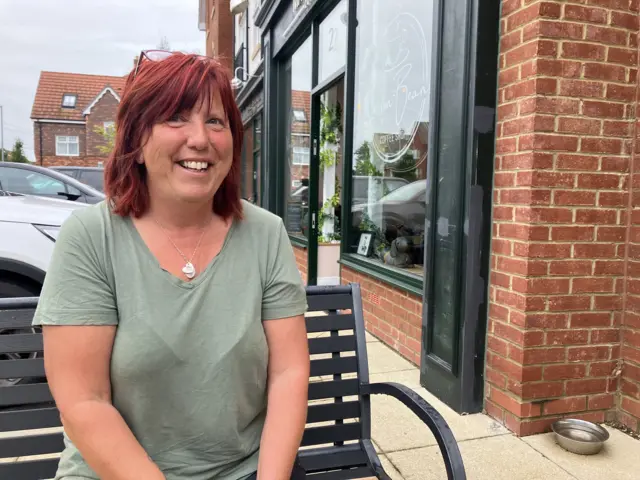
(337, 346)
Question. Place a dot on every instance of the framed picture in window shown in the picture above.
(365, 245)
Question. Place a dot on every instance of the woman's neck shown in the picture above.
(174, 215)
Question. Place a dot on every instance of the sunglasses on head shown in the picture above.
(158, 56)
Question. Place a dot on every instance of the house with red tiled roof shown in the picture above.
(66, 109)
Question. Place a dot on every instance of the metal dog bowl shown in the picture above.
(580, 436)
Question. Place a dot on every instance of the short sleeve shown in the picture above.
(76, 290)
(284, 294)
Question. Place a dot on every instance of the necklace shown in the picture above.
(189, 270)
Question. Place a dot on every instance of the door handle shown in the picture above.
(313, 221)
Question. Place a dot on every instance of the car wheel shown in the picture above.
(11, 288)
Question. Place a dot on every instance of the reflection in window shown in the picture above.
(391, 125)
(299, 116)
(298, 83)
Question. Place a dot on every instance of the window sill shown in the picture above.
(389, 275)
(298, 241)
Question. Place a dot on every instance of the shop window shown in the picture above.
(298, 139)
(332, 50)
(390, 140)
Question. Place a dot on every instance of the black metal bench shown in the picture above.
(337, 440)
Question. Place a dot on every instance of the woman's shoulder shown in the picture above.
(256, 217)
(91, 221)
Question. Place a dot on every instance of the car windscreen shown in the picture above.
(93, 178)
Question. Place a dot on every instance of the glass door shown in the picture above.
(326, 173)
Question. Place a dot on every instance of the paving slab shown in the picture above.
(394, 427)
(619, 458)
(382, 359)
(390, 468)
(503, 457)
(410, 378)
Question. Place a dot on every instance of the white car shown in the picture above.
(29, 226)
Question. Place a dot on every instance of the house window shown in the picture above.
(299, 116)
(69, 100)
(300, 156)
(67, 146)
(108, 126)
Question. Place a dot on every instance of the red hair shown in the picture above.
(158, 91)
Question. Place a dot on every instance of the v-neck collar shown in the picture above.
(186, 284)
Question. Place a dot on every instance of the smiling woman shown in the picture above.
(191, 81)
(173, 312)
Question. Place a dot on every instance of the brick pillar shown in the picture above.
(629, 407)
(565, 122)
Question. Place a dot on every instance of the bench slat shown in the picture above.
(14, 420)
(341, 343)
(333, 411)
(25, 394)
(331, 434)
(333, 366)
(33, 367)
(334, 389)
(30, 470)
(326, 458)
(339, 301)
(21, 343)
(32, 445)
(333, 321)
(351, 474)
(16, 318)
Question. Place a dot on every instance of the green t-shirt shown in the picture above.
(189, 360)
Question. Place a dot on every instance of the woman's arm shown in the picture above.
(287, 389)
(77, 360)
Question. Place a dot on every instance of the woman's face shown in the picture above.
(188, 157)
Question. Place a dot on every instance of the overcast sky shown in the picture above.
(80, 36)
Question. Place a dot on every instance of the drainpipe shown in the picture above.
(41, 159)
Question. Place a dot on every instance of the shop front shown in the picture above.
(377, 152)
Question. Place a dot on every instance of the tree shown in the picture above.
(164, 44)
(109, 135)
(17, 154)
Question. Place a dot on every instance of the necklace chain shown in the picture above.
(188, 269)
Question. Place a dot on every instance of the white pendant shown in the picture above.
(189, 270)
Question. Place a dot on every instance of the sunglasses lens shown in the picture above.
(157, 55)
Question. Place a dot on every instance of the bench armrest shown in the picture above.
(430, 416)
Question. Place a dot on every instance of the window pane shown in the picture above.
(93, 178)
(29, 183)
(391, 121)
(298, 79)
(73, 149)
(333, 42)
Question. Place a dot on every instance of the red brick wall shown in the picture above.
(629, 406)
(392, 315)
(220, 32)
(301, 261)
(74, 161)
(565, 115)
(103, 111)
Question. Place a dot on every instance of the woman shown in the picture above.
(174, 337)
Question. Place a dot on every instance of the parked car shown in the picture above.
(44, 182)
(92, 176)
(29, 227)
